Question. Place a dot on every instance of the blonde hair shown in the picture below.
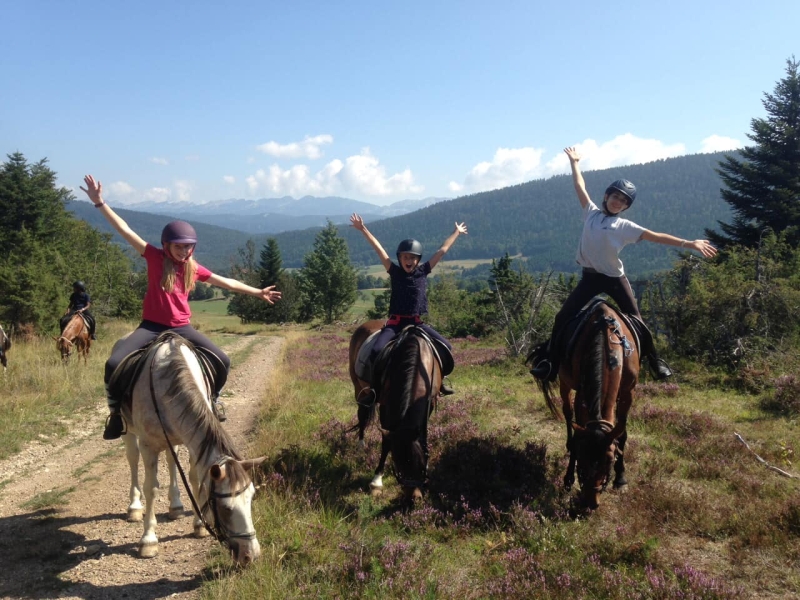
(169, 276)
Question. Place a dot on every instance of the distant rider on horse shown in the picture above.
(171, 276)
(79, 303)
(409, 287)
(604, 235)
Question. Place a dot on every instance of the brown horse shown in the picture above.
(406, 397)
(604, 369)
(75, 335)
(5, 346)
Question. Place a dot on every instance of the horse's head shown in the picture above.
(594, 448)
(227, 496)
(64, 346)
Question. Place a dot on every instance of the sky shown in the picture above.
(376, 101)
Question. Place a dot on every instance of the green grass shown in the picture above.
(701, 519)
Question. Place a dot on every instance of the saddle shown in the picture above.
(120, 386)
(64, 321)
(566, 338)
(367, 371)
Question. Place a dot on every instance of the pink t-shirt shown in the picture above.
(160, 307)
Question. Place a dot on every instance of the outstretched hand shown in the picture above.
(93, 189)
(704, 247)
(461, 228)
(270, 294)
(572, 152)
(357, 222)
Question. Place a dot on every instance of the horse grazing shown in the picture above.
(170, 404)
(74, 335)
(406, 397)
(5, 346)
(603, 368)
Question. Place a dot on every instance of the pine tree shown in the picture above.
(271, 263)
(763, 189)
(328, 280)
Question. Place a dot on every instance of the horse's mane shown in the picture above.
(196, 414)
(592, 366)
(400, 373)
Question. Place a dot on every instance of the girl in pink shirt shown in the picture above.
(171, 276)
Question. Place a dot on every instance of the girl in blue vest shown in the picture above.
(604, 235)
(409, 285)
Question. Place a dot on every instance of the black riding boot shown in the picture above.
(546, 364)
(658, 366)
(218, 406)
(446, 390)
(115, 426)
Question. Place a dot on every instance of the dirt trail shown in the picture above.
(85, 548)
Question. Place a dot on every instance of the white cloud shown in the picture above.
(159, 160)
(510, 166)
(120, 190)
(719, 143)
(230, 179)
(309, 148)
(361, 174)
(157, 194)
(183, 190)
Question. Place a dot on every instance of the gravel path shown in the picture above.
(85, 548)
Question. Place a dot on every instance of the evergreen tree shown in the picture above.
(246, 270)
(328, 279)
(763, 189)
(270, 263)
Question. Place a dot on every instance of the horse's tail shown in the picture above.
(548, 388)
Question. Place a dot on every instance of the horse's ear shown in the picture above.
(251, 463)
(217, 472)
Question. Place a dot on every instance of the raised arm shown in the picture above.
(704, 247)
(94, 189)
(269, 293)
(577, 177)
(357, 222)
(460, 228)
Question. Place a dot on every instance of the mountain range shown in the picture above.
(539, 220)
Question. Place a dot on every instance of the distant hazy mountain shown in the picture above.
(274, 215)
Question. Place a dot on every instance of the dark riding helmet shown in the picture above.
(79, 285)
(178, 232)
(409, 247)
(625, 187)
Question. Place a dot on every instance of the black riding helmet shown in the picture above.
(79, 285)
(409, 247)
(178, 232)
(625, 187)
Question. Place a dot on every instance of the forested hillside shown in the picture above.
(540, 220)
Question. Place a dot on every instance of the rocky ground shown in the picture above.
(84, 548)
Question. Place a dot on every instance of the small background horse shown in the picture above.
(74, 335)
(406, 398)
(171, 399)
(604, 369)
(5, 346)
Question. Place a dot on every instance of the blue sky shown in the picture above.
(376, 101)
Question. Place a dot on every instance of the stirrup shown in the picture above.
(115, 426)
(659, 368)
(218, 408)
(446, 390)
(370, 396)
(542, 370)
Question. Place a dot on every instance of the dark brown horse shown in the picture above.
(75, 336)
(406, 397)
(604, 369)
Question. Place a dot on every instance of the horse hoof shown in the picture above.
(416, 496)
(200, 532)
(621, 486)
(135, 515)
(175, 513)
(148, 551)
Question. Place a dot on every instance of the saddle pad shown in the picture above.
(363, 367)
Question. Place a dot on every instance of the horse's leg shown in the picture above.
(135, 494)
(567, 409)
(199, 529)
(175, 504)
(364, 417)
(148, 545)
(376, 485)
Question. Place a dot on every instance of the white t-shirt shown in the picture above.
(602, 240)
